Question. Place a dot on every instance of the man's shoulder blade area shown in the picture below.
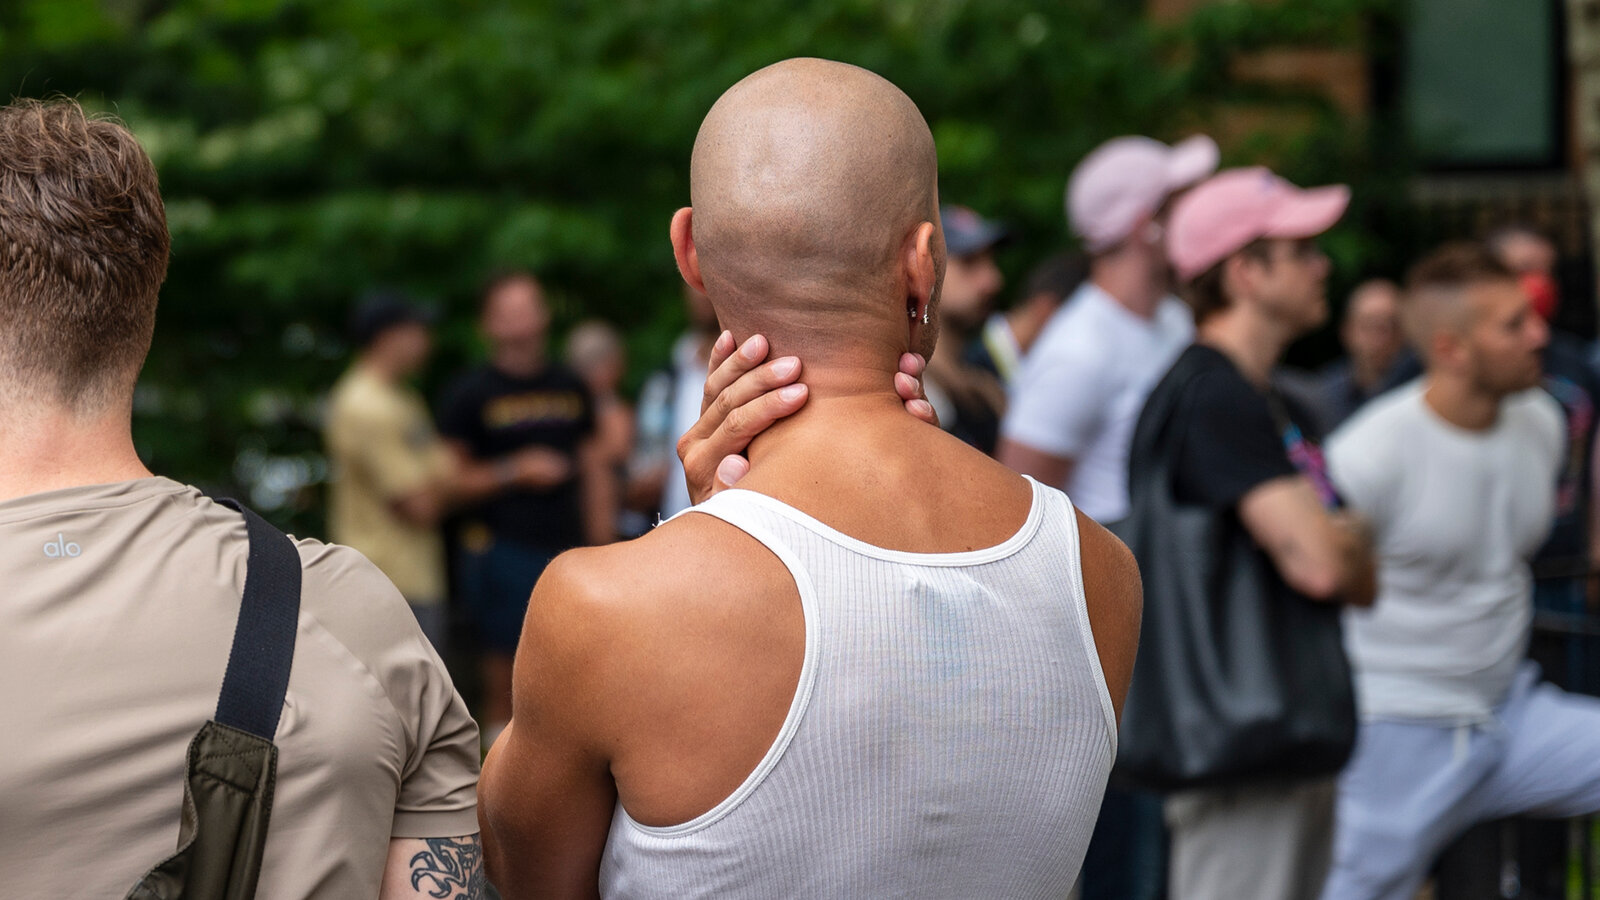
(675, 563)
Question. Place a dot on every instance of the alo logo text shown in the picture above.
(61, 547)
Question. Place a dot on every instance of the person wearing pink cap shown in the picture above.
(1458, 472)
(1242, 246)
(1079, 389)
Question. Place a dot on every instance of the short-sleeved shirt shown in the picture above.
(1238, 436)
(383, 447)
(1080, 389)
(1456, 514)
(119, 608)
(495, 415)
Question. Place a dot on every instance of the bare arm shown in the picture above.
(546, 796)
(423, 508)
(1324, 556)
(434, 868)
(1046, 468)
(1115, 597)
(475, 479)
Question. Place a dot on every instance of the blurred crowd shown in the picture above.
(1405, 496)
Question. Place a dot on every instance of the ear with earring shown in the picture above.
(912, 312)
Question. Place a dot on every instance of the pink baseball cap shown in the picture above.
(1127, 179)
(1224, 214)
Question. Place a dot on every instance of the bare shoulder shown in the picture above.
(611, 613)
(672, 564)
(1115, 597)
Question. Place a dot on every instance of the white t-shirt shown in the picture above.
(1082, 385)
(1456, 514)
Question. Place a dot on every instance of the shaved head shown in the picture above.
(809, 181)
(1438, 292)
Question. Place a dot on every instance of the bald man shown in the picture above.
(884, 665)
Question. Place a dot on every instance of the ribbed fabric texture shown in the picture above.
(951, 735)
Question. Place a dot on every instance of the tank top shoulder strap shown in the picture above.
(744, 510)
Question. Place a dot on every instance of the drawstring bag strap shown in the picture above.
(263, 640)
(231, 770)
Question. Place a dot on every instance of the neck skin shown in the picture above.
(1131, 279)
(840, 402)
(1366, 376)
(1253, 342)
(1456, 401)
(377, 366)
(849, 388)
(47, 449)
(518, 360)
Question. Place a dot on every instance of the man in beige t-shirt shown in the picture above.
(119, 591)
(118, 613)
(391, 471)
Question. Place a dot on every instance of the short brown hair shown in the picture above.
(83, 252)
(1204, 292)
(1435, 297)
(1455, 266)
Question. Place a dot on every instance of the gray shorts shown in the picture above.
(1412, 787)
(1251, 842)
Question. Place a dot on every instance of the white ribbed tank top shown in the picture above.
(951, 734)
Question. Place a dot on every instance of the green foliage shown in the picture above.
(312, 149)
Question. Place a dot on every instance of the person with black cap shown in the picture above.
(969, 399)
(391, 475)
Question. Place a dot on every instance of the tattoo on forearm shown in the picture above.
(450, 868)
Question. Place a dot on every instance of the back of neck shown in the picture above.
(46, 449)
(1460, 403)
(1131, 282)
(1253, 343)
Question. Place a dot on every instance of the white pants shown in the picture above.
(1412, 787)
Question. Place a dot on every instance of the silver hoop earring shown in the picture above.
(924, 315)
(912, 312)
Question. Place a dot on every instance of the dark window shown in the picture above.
(1482, 83)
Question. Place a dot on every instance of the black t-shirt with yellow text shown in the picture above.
(495, 415)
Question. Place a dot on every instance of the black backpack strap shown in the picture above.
(263, 639)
